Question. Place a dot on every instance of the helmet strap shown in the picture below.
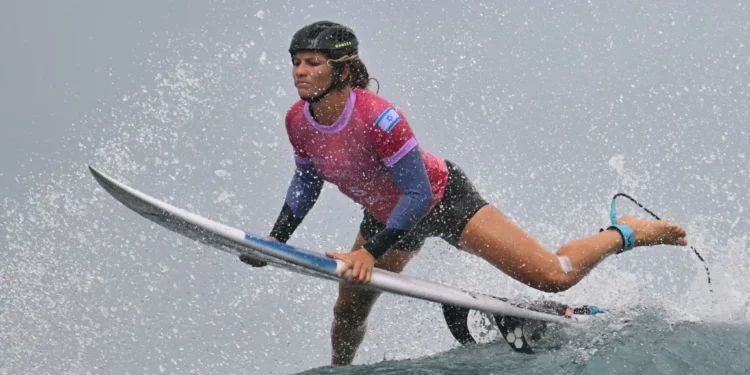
(336, 84)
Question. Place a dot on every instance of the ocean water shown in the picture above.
(645, 345)
(550, 108)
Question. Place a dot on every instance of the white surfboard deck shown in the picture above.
(236, 241)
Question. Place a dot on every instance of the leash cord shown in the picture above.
(612, 214)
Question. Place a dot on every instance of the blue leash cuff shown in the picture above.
(628, 237)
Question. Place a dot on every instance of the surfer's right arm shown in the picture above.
(301, 196)
(304, 189)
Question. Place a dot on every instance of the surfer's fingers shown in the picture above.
(347, 263)
(355, 272)
(363, 274)
(343, 269)
(369, 276)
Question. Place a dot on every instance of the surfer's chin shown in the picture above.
(306, 95)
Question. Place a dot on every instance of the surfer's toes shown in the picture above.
(678, 234)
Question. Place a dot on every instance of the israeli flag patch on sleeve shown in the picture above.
(388, 119)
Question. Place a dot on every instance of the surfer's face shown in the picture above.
(312, 75)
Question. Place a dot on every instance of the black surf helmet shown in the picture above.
(333, 40)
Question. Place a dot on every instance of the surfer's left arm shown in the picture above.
(410, 174)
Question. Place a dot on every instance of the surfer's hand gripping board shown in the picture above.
(360, 262)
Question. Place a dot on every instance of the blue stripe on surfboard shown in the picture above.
(310, 259)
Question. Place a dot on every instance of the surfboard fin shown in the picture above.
(519, 333)
(515, 333)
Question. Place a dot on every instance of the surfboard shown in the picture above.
(296, 259)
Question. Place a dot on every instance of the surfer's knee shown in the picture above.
(561, 280)
(555, 285)
(549, 286)
(556, 282)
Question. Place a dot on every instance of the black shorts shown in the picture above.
(447, 220)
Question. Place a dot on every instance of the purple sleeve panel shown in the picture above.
(304, 189)
(410, 175)
(300, 160)
(405, 149)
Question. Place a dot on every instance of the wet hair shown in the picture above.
(358, 77)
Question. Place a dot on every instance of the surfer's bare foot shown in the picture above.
(655, 232)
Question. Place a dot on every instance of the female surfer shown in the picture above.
(346, 135)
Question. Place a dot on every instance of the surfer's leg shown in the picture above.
(354, 304)
(492, 236)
